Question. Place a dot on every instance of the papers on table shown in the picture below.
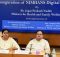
(21, 52)
(4, 51)
(16, 52)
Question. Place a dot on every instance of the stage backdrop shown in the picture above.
(30, 15)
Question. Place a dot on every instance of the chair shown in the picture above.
(16, 39)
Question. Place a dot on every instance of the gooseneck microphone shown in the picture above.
(30, 49)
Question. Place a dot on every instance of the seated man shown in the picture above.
(8, 43)
(38, 45)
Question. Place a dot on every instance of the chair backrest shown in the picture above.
(31, 38)
(16, 39)
(46, 39)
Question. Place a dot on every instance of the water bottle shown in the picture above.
(53, 53)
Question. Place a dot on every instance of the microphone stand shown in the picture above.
(30, 49)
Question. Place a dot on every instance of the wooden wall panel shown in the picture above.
(24, 38)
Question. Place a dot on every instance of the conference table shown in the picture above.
(26, 55)
(6, 55)
(23, 54)
(57, 54)
(16, 53)
(19, 55)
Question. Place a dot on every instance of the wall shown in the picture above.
(24, 38)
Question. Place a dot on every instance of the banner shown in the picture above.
(38, 14)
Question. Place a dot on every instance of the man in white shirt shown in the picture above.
(38, 45)
(8, 43)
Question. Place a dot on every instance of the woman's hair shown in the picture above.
(5, 30)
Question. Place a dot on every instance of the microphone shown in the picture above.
(30, 49)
